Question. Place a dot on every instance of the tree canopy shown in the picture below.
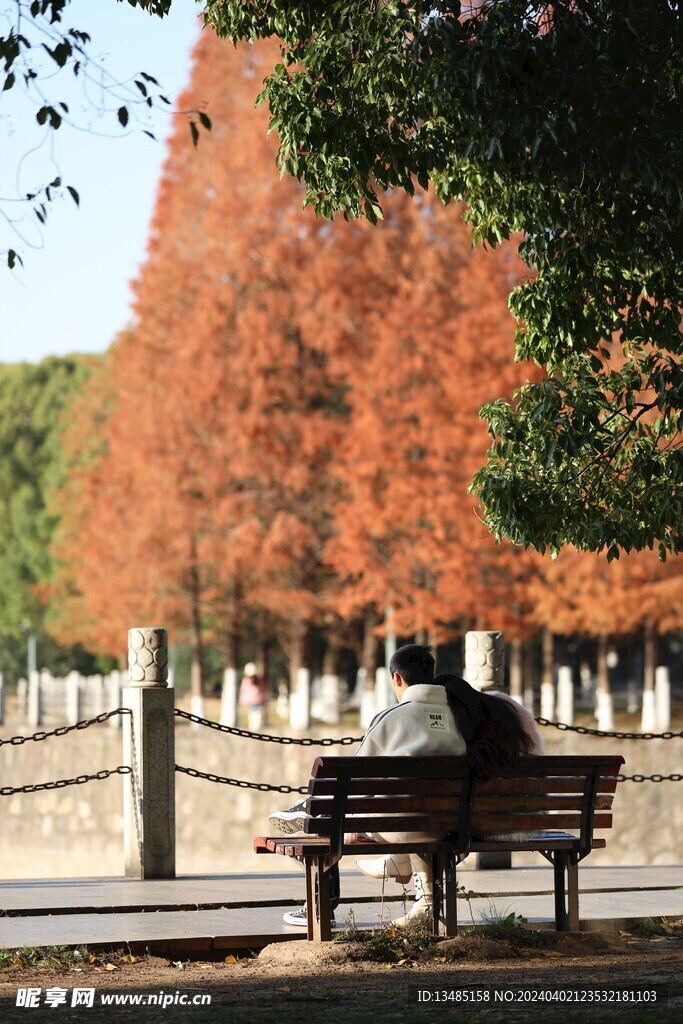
(560, 121)
(559, 124)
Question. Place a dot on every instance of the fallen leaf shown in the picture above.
(440, 959)
(17, 960)
(110, 967)
(285, 988)
(130, 959)
(231, 959)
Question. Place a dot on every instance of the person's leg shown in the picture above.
(391, 865)
(423, 881)
(298, 917)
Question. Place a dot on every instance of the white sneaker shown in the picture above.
(396, 867)
(421, 910)
(299, 917)
(290, 820)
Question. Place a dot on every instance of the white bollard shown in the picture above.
(73, 698)
(149, 749)
(22, 699)
(300, 701)
(197, 708)
(604, 711)
(548, 701)
(565, 695)
(329, 699)
(282, 702)
(229, 698)
(114, 697)
(662, 698)
(356, 696)
(34, 704)
(384, 694)
(648, 718)
(368, 707)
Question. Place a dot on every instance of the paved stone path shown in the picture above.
(245, 910)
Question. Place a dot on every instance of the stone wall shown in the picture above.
(78, 830)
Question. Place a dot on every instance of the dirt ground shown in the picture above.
(330, 984)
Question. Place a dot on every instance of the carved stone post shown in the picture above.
(148, 747)
(485, 658)
(485, 666)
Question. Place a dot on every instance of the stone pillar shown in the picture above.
(384, 694)
(300, 701)
(485, 659)
(662, 698)
(229, 698)
(149, 749)
(485, 666)
(565, 695)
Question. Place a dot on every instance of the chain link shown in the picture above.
(61, 783)
(263, 787)
(617, 735)
(62, 730)
(304, 741)
(650, 778)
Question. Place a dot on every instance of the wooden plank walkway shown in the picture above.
(216, 912)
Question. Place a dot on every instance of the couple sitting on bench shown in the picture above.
(436, 715)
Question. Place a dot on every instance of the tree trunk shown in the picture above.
(197, 667)
(603, 693)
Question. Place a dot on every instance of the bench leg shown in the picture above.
(436, 865)
(310, 898)
(573, 893)
(319, 908)
(566, 870)
(451, 893)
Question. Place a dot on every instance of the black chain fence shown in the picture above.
(304, 741)
(585, 731)
(62, 730)
(61, 783)
(264, 787)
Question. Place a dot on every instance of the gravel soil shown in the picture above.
(578, 980)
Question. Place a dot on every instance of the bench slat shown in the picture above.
(301, 846)
(504, 803)
(454, 767)
(446, 823)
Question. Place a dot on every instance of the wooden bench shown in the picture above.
(560, 800)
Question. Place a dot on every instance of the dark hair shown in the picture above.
(491, 728)
(414, 663)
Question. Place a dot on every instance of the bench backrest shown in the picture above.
(443, 795)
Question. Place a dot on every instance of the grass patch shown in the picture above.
(387, 944)
(653, 927)
(60, 957)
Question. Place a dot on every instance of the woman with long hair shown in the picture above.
(491, 729)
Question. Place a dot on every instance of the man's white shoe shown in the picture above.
(397, 867)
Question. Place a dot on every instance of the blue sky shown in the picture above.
(72, 295)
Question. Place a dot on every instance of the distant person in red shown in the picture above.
(254, 696)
